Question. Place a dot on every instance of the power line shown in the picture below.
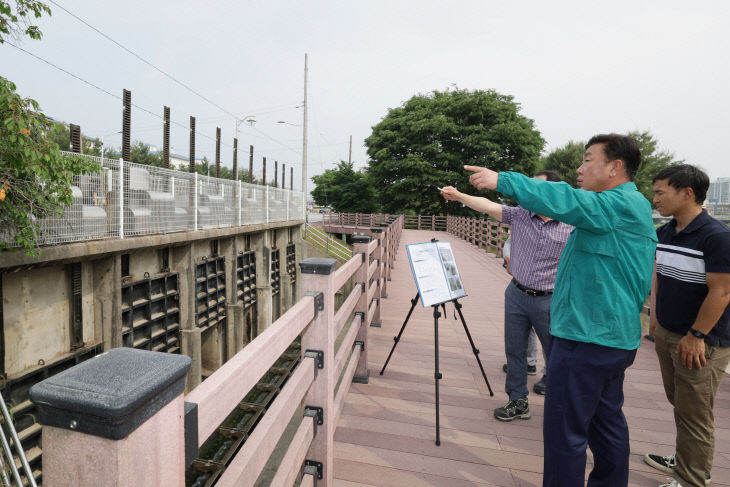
(142, 59)
(63, 70)
(107, 92)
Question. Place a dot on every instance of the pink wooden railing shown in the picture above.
(315, 319)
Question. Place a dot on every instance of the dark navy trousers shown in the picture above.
(585, 394)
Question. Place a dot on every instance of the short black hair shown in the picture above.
(549, 175)
(622, 147)
(686, 176)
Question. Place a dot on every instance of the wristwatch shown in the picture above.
(697, 333)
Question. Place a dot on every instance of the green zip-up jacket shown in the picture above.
(604, 274)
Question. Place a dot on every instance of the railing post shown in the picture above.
(240, 203)
(433, 222)
(317, 275)
(121, 198)
(266, 198)
(360, 248)
(117, 420)
(377, 233)
(195, 201)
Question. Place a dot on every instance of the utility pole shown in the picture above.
(304, 136)
(349, 157)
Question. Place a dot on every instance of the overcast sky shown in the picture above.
(577, 68)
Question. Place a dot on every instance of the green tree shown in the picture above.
(345, 190)
(565, 161)
(16, 21)
(141, 153)
(652, 161)
(426, 142)
(35, 178)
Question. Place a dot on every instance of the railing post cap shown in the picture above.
(113, 393)
(318, 265)
(361, 239)
(383, 224)
(376, 230)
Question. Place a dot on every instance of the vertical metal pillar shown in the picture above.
(217, 152)
(126, 141)
(250, 165)
(276, 174)
(235, 159)
(166, 139)
(75, 133)
(191, 162)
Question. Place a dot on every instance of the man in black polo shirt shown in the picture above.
(692, 292)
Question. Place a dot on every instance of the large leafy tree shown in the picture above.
(16, 18)
(35, 178)
(426, 142)
(566, 160)
(345, 190)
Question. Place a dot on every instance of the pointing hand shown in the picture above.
(483, 178)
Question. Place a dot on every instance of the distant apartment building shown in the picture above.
(719, 191)
(718, 197)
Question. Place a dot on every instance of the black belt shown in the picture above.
(528, 291)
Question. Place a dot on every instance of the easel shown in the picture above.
(437, 374)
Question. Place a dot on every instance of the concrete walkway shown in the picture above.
(385, 436)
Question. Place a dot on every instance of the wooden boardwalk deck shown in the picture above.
(385, 437)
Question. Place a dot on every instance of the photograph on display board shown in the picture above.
(435, 272)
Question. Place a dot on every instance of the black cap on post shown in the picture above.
(112, 394)
(318, 265)
(361, 239)
(377, 230)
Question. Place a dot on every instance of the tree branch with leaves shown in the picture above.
(35, 177)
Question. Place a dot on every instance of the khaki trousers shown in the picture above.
(692, 393)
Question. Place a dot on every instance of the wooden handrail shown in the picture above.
(290, 465)
(344, 352)
(215, 396)
(248, 463)
(346, 308)
(346, 271)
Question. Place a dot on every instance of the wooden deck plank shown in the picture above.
(385, 436)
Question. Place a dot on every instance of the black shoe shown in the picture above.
(540, 387)
(531, 369)
(667, 464)
(513, 410)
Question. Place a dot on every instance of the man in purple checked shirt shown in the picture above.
(537, 242)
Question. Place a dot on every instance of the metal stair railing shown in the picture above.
(7, 458)
(326, 242)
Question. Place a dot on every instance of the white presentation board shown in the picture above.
(435, 272)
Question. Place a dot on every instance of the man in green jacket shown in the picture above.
(604, 276)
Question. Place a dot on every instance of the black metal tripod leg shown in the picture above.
(474, 349)
(437, 374)
(397, 339)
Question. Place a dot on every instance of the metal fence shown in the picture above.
(126, 199)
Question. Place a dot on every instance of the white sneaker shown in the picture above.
(671, 483)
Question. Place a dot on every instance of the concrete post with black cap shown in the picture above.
(118, 419)
(317, 275)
